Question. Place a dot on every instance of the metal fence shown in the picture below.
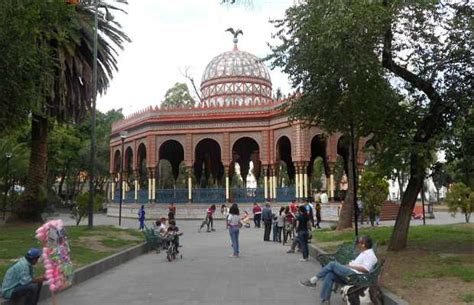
(285, 194)
(171, 196)
(209, 195)
(247, 194)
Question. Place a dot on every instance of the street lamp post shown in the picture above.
(354, 180)
(423, 200)
(123, 135)
(8, 156)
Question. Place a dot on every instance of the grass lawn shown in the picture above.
(87, 245)
(436, 268)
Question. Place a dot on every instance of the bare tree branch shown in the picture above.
(188, 75)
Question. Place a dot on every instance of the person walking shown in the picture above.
(267, 221)
(302, 229)
(19, 281)
(141, 218)
(171, 212)
(257, 214)
(280, 223)
(318, 215)
(309, 209)
(288, 225)
(234, 224)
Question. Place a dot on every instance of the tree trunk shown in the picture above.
(63, 177)
(31, 204)
(398, 240)
(429, 126)
(347, 210)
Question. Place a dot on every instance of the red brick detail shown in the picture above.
(331, 147)
(151, 157)
(226, 150)
(188, 151)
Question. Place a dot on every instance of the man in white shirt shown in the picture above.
(335, 272)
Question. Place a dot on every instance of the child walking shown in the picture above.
(141, 218)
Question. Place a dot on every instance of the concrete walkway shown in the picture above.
(264, 274)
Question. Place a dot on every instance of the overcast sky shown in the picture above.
(169, 35)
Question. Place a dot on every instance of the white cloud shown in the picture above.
(170, 35)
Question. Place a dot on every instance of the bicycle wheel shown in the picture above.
(171, 253)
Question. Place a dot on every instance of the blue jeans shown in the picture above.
(303, 240)
(332, 272)
(30, 291)
(234, 237)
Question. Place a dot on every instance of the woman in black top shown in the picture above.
(302, 221)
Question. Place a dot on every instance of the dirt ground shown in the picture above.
(421, 291)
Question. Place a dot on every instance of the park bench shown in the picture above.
(366, 279)
(344, 254)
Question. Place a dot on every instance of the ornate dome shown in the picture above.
(236, 78)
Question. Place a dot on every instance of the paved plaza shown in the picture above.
(264, 274)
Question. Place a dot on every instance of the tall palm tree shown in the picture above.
(71, 94)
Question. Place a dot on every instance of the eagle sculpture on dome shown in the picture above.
(235, 33)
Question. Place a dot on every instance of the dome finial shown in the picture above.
(236, 34)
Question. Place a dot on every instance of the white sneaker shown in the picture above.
(303, 259)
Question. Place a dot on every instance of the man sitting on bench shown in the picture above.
(335, 272)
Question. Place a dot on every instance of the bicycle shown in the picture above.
(172, 251)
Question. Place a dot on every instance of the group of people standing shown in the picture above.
(292, 221)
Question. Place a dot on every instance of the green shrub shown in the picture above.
(373, 191)
(460, 197)
(82, 201)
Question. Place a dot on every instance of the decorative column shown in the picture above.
(265, 182)
(270, 183)
(137, 185)
(297, 180)
(227, 184)
(150, 184)
(301, 182)
(305, 180)
(190, 184)
(112, 197)
(275, 183)
(153, 185)
(331, 180)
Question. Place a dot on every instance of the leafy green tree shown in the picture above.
(318, 171)
(25, 72)
(165, 175)
(64, 144)
(459, 148)
(460, 197)
(336, 68)
(440, 177)
(178, 96)
(283, 177)
(373, 192)
(68, 37)
(341, 55)
(80, 210)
